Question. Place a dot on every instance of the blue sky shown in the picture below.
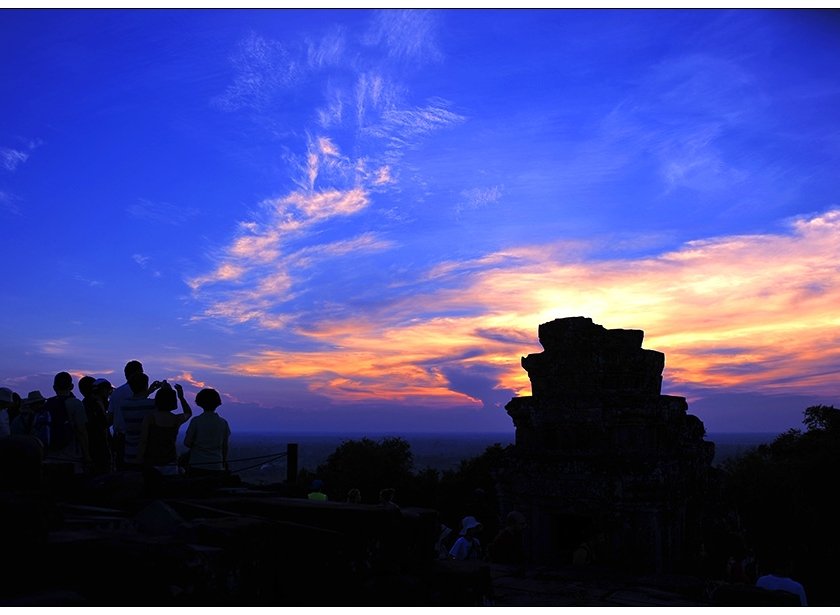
(355, 220)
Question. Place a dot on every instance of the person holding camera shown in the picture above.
(159, 431)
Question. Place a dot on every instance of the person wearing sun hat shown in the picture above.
(34, 419)
(468, 555)
(21, 451)
(468, 546)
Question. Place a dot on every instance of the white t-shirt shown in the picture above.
(465, 548)
(118, 396)
(206, 437)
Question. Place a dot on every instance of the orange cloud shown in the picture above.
(383, 176)
(326, 204)
(754, 311)
(327, 147)
(260, 248)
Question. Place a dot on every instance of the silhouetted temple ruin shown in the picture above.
(601, 453)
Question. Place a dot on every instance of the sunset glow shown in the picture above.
(336, 213)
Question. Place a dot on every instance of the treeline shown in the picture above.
(779, 498)
(785, 497)
(370, 466)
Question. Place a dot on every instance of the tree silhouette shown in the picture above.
(822, 418)
(784, 494)
(369, 466)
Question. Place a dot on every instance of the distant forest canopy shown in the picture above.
(781, 493)
(785, 495)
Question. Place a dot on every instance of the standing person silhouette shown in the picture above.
(508, 546)
(68, 440)
(95, 401)
(118, 396)
(207, 437)
(34, 418)
(159, 431)
(134, 411)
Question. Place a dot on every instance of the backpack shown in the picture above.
(61, 429)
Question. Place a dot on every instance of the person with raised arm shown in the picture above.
(159, 432)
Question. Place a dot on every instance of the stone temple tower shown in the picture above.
(602, 456)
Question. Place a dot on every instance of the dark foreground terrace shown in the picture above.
(116, 540)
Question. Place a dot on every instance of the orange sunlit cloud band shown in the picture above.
(755, 312)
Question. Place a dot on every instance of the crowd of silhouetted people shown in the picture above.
(134, 426)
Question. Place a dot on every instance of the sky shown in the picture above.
(356, 220)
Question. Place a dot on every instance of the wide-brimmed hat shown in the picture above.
(33, 398)
(468, 523)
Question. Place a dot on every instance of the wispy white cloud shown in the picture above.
(93, 283)
(406, 34)
(679, 118)
(362, 102)
(372, 95)
(694, 100)
(695, 162)
(403, 128)
(298, 210)
(477, 198)
(57, 347)
(263, 68)
(12, 158)
(331, 185)
(160, 212)
(9, 203)
(144, 262)
(262, 269)
(327, 51)
(700, 84)
(365, 243)
(332, 111)
(403, 123)
(255, 291)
